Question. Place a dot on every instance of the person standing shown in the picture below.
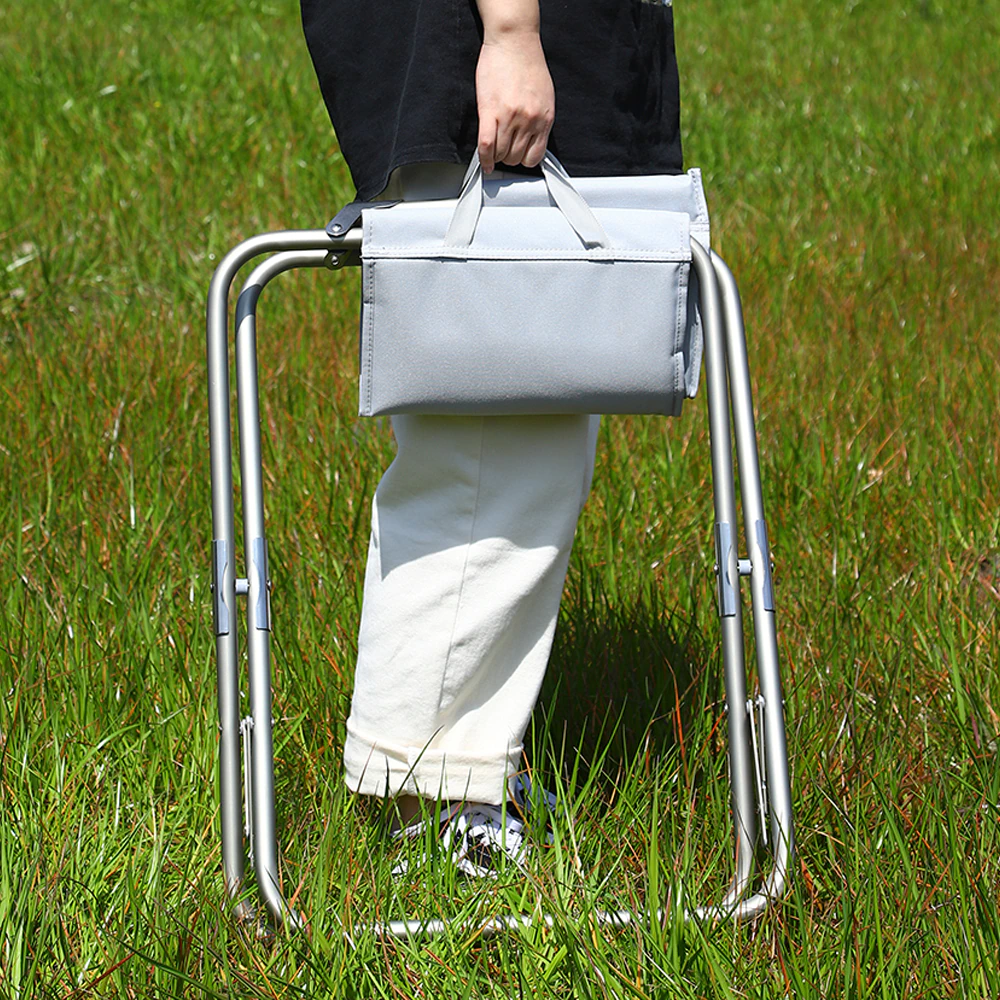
(473, 522)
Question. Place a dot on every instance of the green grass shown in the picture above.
(851, 156)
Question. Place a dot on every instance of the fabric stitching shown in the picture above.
(679, 256)
(680, 389)
(680, 320)
(406, 754)
(369, 338)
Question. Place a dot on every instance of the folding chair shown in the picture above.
(758, 761)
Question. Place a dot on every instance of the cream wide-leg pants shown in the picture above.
(472, 526)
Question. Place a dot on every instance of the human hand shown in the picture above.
(515, 98)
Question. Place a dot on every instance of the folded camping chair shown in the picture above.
(758, 761)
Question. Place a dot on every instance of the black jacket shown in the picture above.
(398, 78)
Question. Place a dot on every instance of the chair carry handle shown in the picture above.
(568, 200)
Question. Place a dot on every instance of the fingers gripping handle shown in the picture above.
(567, 199)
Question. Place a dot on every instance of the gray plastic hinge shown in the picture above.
(744, 567)
(765, 552)
(242, 586)
(349, 215)
(335, 261)
(220, 610)
(262, 589)
(723, 548)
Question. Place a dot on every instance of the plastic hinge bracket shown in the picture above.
(258, 556)
(348, 216)
(765, 553)
(723, 548)
(220, 609)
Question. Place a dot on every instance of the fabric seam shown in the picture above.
(679, 387)
(370, 352)
(527, 254)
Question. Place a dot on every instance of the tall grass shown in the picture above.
(851, 158)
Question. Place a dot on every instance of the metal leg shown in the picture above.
(224, 583)
(727, 576)
(779, 793)
(728, 384)
(261, 775)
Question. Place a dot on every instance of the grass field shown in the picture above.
(850, 152)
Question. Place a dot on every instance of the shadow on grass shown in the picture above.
(624, 677)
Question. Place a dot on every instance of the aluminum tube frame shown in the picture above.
(782, 842)
(742, 797)
(223, 530)
(728, 382)
(261, 778)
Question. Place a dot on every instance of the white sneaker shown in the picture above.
(481, 838)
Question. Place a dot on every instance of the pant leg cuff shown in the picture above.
(373, 767)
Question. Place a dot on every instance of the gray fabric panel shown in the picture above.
(526, 319)
(495, 352)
